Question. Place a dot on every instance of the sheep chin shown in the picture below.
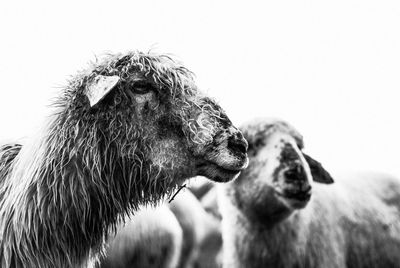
(217, 173)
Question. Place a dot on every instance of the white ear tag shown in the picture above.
(100, 87)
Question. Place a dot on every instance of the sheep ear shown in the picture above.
(100, 87)
(317, 171)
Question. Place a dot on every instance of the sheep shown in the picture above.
(200, 186)
(210, 203)
(152, 238)
(202, 239)
(269, 220)
(125, 132)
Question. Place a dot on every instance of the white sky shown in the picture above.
(331, 68)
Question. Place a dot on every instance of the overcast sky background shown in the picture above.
(330, 68)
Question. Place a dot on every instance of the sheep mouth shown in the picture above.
(297, 199)
(219, 173)
(300, 196)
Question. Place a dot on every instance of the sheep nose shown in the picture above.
(236, 142)
(296, 173)
(307, 188)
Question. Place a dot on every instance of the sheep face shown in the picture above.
(151, 112)
(279, 178)
(286, 170)
(283, 171)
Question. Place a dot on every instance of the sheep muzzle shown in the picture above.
(225, 157)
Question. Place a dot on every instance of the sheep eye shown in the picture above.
(142, 88)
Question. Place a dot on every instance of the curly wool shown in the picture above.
(88, 168)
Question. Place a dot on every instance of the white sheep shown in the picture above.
(152, 238)
(270, 221)
(202, 239)
(199, 186)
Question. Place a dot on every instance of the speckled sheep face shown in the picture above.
(279, 176)
(155, 107)
(283, 167)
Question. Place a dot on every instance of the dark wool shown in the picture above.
(90, 166)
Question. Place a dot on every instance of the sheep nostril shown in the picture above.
(238, 143)
(291, 175)
(295, 173)
(307, 189)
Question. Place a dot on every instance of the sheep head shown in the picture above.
(150, 112)
(280, 176)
